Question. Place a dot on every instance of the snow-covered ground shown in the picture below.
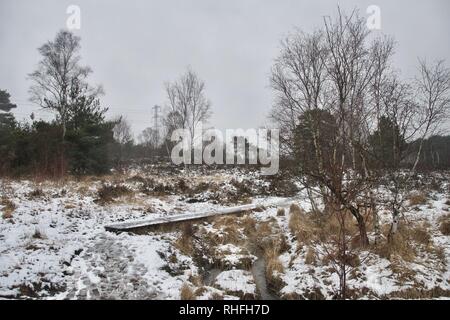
(53, 244)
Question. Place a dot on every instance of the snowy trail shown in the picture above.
(107, 270)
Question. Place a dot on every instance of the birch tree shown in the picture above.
(57, 72)
(188, 105)
(433, 99)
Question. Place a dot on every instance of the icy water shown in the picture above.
(211, 276)
(259, 274)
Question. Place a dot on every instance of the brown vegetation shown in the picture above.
(8, 207)
(444, 225)
(108, 193)
(417, 198)
(186, 293)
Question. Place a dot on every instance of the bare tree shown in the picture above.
(187, 103)
(149, 138)
(122, 131)
(323, 80)
(122, 135)
(433, 99)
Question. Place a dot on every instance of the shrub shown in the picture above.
(36, 193)
(417, 198)
(8, 207)
(310, 257)
(444, 226)
(108, 193)
(280, 212)
(187, 293)
(273, 270)
(301, 225)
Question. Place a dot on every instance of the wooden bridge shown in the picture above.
(149, 224)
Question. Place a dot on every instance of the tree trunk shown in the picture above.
(394, 225)
(364, 240)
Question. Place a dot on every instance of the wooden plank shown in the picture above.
(186, 216)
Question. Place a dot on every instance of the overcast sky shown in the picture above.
(134, 47)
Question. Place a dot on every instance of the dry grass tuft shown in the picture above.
(421, 234)
(420, 293)
(311, 257)
(301, 226)
(38, 234)
(107, 193)
(186, 293)
(36, 193)
(398, 246)
(417, 198)
(405, 242)
(444, 225)
(281, 212)
(8, 208)
(295, 209)
(216, 296)
(274, 269)
(230, 231)
(248, 224)
(185, 242)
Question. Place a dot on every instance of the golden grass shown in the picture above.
(185, 242)
(274, 269)
(417, 292)
(311, 257)
(444, 225)
(301, 225)
(186, 293)
(417, 198)
(107, 193)
(281, 212)
(406, 242)
(273, 263)
(8, 208)
(216, 296)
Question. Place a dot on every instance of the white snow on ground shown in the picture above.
(59, 243)
(55, 246)
(236, 281)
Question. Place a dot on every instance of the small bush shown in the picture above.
(36, 193)
(273, 270)
(417, 199)
(107, 193)
(301, 225)
(187, 293)
(421, 235)
(216, 296)
(38, 234)
(400, 245)
(310, 257)
(8, 207)
(444, 226)
(185, 242)
(281, 212)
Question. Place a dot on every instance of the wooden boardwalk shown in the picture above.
(133, 226)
